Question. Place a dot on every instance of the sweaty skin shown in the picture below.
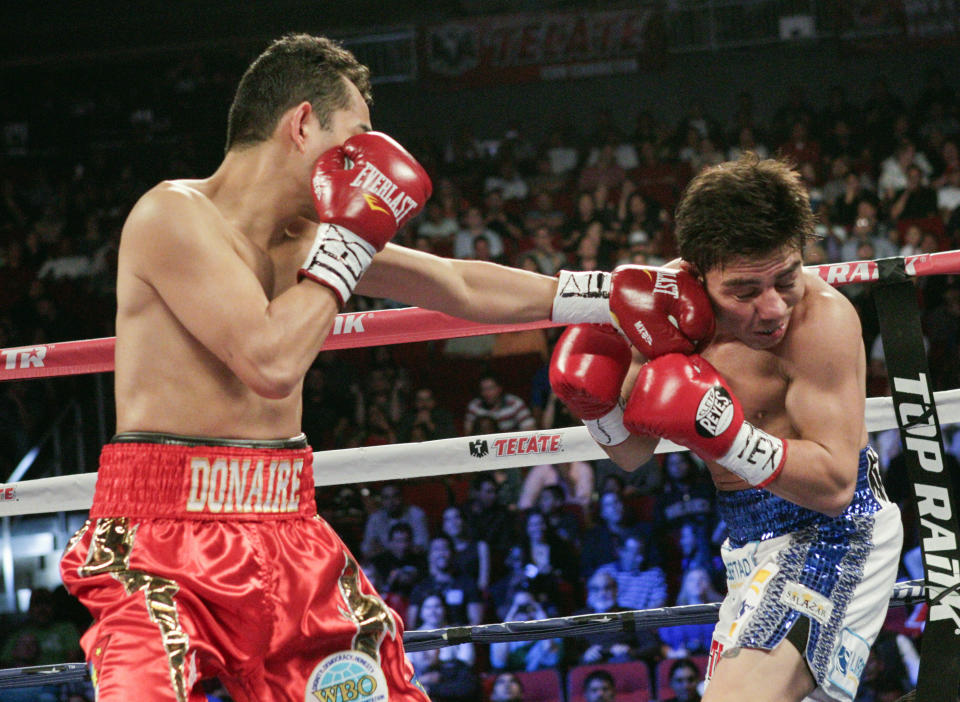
(790, 347)
(215, 335)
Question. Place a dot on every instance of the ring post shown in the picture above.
(934, 485)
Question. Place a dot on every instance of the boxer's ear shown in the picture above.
(297, 126)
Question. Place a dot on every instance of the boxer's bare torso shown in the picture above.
(762, 378)
(183, 266)
(166, 378)
(790, 347)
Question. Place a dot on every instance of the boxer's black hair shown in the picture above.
(293, 69)
(742, 209)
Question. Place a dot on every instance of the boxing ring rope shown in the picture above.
(904, 593)
(434, 458)
(422, 459)
(396, 326)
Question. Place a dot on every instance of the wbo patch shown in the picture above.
(347, 676)
(848, 661)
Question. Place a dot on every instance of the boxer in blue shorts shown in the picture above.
(771, 396)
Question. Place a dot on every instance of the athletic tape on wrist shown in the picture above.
(755, 455)
(582, 296)
(337, 259)
(609, 429)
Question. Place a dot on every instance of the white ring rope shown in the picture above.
(466, 454)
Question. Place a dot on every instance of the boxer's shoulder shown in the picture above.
(176, 213)
(180, 194)
(824, 341)
(823, 319)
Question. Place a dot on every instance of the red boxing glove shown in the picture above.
(684, 399)
(587, 370)
(361, 206)
(660, 310)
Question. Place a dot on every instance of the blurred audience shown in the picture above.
(883, 174)
(542, 654)
(610, 647)
(639, 585)
(393, 509)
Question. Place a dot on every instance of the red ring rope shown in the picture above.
(408, 325)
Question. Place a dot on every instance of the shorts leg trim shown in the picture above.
(370, 613)
(77, 537)
(110, 551)
(827, 568)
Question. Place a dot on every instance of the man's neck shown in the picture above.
(256, 193)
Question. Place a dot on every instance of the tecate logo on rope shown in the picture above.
(517, 445)
(8, 493)
(30, 356)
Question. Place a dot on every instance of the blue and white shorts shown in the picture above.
(784, 562)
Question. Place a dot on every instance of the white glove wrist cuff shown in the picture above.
(608, 430)
(755, 455)
(582, 296)
(337, 259)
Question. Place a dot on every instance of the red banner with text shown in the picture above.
(544, 46)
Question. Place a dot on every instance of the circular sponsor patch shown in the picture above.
(715, 412)
(347, 676)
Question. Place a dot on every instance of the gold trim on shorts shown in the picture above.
(110, 551)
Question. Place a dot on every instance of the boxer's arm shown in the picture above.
(632, 453)
(825, 403)
(590, 369)
(639, 448)
(474, 290)
(176, 243)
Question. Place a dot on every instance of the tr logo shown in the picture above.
(24, 357)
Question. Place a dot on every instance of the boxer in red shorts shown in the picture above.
(204, 556)
(222, 567)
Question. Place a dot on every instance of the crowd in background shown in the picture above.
(884, 180)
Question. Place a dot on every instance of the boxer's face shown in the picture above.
(754, 298)
(344, 123)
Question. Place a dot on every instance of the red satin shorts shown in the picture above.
(200, 561)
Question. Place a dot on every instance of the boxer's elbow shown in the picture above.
(632, 453)
(839, 495)
(274, 376)
(272, 383)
